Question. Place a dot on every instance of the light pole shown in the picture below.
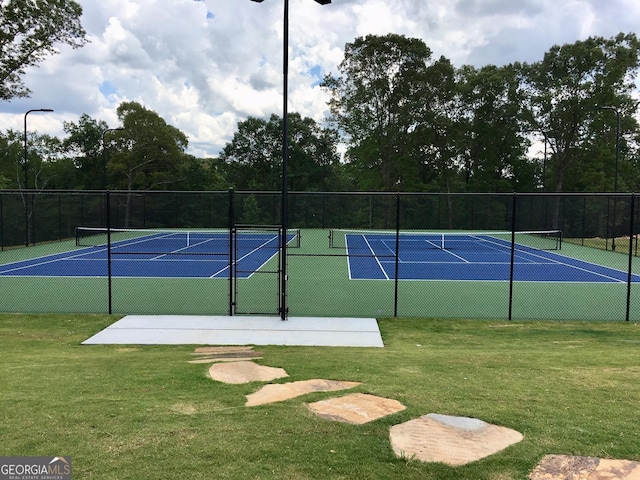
(104, 158)
(615, 181)
(26, 171)
(285, 154)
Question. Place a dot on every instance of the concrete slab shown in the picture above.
(240, 330)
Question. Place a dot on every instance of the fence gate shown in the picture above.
(257, 270)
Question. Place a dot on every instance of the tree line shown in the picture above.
(400, 120)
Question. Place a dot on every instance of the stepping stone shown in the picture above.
(285, 391)
(218, 360)
(356, 408)
(565, 467)
(215, 350)
(244, 372)
(224, 354)
(448, 439)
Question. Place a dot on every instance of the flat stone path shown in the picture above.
(430, 438)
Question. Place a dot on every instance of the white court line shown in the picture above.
(47, 262)
(524, 255)
(251, 252)
(371, 250)
(186, 247)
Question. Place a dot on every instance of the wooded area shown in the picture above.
(405, 121)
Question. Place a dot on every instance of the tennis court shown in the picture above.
(155, 254)
(468, 256)
(371, 256)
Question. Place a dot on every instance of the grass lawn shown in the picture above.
(143, 412)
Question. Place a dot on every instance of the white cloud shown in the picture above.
(206, 65)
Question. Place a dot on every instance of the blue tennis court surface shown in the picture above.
(466, 257)
(177, 255)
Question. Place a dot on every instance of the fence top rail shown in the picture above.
(332, 193)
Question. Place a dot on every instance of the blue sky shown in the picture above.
(205, 65)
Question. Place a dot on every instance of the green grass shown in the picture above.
(143, 412)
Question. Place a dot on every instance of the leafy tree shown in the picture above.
(563, 90)
(204, 174)
(29, 32)
(148, 153)
(11, 158)
(377, 102)
(254, 155)
(88, 154)
(493, 153)
(43, 150)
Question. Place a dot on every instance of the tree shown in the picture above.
(11, 158)
(391, 103)
(493, 151)
(84, 146)
(29, 32)
(148, 153)
(562, 91)
(254, 155)
(372, 103)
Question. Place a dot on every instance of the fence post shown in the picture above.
(395, 297)
(513, 254)
(629, 275)
(109, 249)
(1, 224)
(231, 262)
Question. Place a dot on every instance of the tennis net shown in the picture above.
(176, 242)
(445, 240)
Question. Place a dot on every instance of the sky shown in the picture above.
(206, 65)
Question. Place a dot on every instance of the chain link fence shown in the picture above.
(490, 256)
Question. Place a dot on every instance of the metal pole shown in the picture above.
(513, 253)
(109, 272)
(284, 310)
(630, 265)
